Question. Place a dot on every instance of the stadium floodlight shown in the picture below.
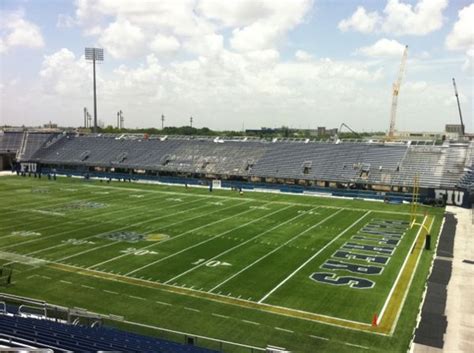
(94, 54)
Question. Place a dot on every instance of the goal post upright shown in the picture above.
(414, 199)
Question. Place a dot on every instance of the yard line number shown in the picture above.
(211, 263)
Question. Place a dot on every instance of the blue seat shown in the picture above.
(47, 333)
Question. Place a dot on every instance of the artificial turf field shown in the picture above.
(301, 272)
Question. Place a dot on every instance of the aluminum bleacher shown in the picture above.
(10, 141)
(27, 332)
(392, 164)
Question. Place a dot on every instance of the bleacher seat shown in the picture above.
(45, 333)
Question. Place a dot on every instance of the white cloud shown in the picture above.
(383, 48)
(123, 39)
(268, 91)
(301, 55)
(65, 21)
(19, 32)
(164, 44)
(424, 18)
(462, 34)
(208, 44)
(469, 62)
(3, 46)
(63, 75)
(235, 13)
(399, 18)
(265, 32)
(461, 37)
(361, 21)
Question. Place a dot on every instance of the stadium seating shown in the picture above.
(10, 141)
(43, 333)
(392, 164)
(371, 163)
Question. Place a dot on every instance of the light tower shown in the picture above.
(162, 121)
(94, 54)
(191, 121)
(85, 118)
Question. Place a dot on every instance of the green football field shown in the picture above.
(301, 272)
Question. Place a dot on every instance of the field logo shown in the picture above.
(332, 278)
(364, 269)
(124, 236)
(385, 235)
(157, 237)
(381, 260)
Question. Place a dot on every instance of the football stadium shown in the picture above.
(232, 245)
(144, 210)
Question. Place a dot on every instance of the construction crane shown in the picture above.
(459, 105)
(395, 92)
(348, 128)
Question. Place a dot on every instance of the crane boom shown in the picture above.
(395, 91)
(459, 105)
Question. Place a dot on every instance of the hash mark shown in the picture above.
(109, 291)
(163, 303)
(135, 297)
(355, 345)
(319, 337)
(219, 315)
(283, 329)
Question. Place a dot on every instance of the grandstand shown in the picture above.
(26, 331)
(292, 165)
(185, 263)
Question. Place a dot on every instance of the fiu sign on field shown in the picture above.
(372, 245)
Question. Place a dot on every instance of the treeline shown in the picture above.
(283, 132)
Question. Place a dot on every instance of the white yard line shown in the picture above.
(192, 309)
(274, 250)
(204, 241)
(382, 312)
(92, 225)
(179, 235)
(65, 219)
(253, 302)
(251, 322)
(67, 282)
(27, 205)
(312, 257)
(114, 230)
(236, 246)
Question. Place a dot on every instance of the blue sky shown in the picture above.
(230, 64)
